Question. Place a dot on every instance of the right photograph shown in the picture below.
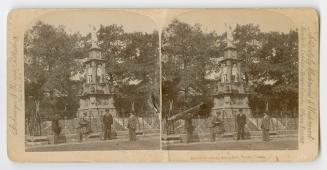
(229, 81)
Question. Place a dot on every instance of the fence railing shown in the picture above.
(200, 124)
(70, 126)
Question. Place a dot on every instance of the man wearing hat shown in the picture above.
(265, 126)
(56, 128)
(188, 125)
(214, 123)
(84, 126)
(241, 121)
(131, 125)
(107, 122)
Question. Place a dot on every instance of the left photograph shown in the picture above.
(91, 82)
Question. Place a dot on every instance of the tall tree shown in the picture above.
(49, 54)
(270, 62)
(132, 65)
(186, 51)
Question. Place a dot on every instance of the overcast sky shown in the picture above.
(83, 21)
(214, 20)
(211, 20)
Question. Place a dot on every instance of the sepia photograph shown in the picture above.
(91, 84)
(163, 85)
(230, 82)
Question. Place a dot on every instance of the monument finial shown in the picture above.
(93, 36)
(229, 36)
(94, 39)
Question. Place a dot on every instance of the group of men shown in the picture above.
(216, 126)
(107, 121)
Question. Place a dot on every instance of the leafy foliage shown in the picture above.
(132, 61)
(52, 58)
(270, 61)
(49, 62)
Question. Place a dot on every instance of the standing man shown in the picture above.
(107, 122)
(265, 125)
(241, 121)
(56, 128)
(189, 128)
(131, 125)
(84, 127)
(214, 122)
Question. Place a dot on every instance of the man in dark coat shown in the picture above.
(107, 122)
(214, 122)
(188, 125)
(265, 126)
(56, 128)
(131, 125)
(84, 127)
(241, 121)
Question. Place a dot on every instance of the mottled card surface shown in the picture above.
(163, 85)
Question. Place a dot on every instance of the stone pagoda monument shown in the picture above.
(97, 95)
(231, 92)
